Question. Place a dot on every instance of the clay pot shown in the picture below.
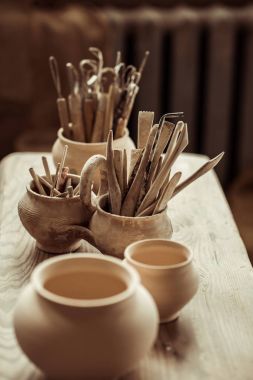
(91, 318)
(113, 233)
(167, 271)
(57, 224)
(79, 153)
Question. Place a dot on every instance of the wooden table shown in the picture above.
(213, 338)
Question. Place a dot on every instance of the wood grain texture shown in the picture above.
(213, 337)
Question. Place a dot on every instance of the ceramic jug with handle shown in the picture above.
(113, 233)
(57, 224)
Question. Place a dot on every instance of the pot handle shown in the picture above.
(95, 162)
(76, 232)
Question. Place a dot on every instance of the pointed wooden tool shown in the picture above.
(148, 211)
(64, 155)
(156, 171)
(201, 171)
(97, 133)
(48, 185)
(145, 123)
(61, 101)
(118, 164)
(46, 168)
(75, 104)
(109, 111)
(113, 185)
(167, 193)
(130, 201)
(37, 182)
(169, 159)
(125, 173)
(164, 137)
(135, 156)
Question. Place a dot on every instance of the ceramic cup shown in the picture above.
(167, 271)
(113, 233)
(79, 153)
(85, 316)
(57, 224)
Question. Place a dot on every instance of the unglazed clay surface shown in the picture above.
(57, 224)
(113, 233)
(95, 325)
(79, 153)
(167, 271)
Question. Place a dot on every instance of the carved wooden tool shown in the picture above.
(97, 133)
(70, 191)
(202, 170)
(135, 157)
(169, 159)
(75, 104)
(118, 164)
(125, 173)
(37, 182)
(164, 137)
(118, 58)
(145, 123)
(148, 211)
(134, 89)
(155, 172)
(142, 66)
(67, 183)
(167, 193)
(129, 204)
(48, 185)
(55, 179)
(77, 189)
(61, 101)
(89, 113)
(113, 185)
(109, 111)
(47, 171)
(58, 177)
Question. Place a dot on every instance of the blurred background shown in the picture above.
(201, 62)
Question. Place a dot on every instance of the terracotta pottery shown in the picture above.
(57, 224)
(113, 233)
(79, 153)
(167, 271)
(85, 316)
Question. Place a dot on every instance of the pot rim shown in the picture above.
(134, 281)
(130, 259)
(90, 144)
(52, 199)
(128, 218)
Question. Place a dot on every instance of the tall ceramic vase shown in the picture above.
(85, 316)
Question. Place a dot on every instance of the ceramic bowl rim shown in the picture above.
(90, 144)
(129, 218)
(51, 199)
(139, 264)
(84, 303)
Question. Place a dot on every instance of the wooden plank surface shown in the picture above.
(212, 339)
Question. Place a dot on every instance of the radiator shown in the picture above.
(201, 63)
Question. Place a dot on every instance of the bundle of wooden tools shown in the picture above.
(149, 185)
(101, 98)
(60, 184)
